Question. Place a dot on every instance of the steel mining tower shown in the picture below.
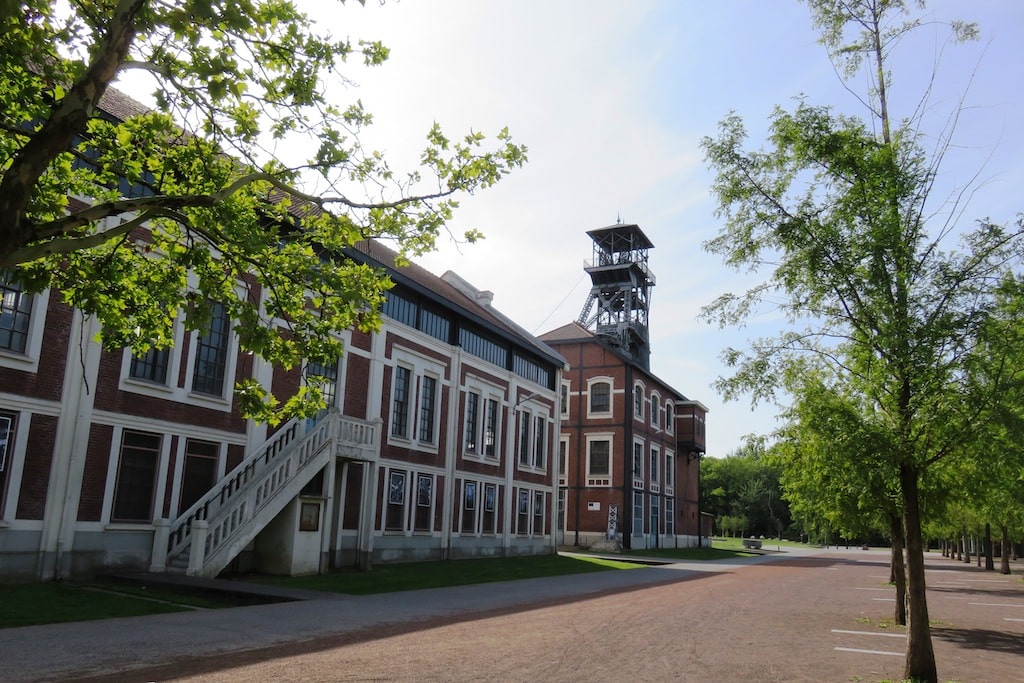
(620, 296)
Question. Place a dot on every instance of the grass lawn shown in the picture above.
(386, 578)
(101, 598)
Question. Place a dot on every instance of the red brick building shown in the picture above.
(630, 444)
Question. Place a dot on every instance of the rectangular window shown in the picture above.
(490, 505)
(600, 397)
(395, 516)
(638, 514)
(327, 377)
(523, 510)
(670, 516)
(670, 466)
(15, 314)
(428, 407)
(424, 502)
(524, 438)
(655, 515)
(199, 473)
(399, 308)
(563, 458)
(136, 477)
(152, 366)
(655, 411)
(538, 513)
(563, 399)
(655, 457)
(539, 442)
(400, 403)
(491, 428)
(472, 421)
(211, 360)
(638, 462)
(434, 324)
(600, 459)
(638, 401)
(469, 507)
(6, 443)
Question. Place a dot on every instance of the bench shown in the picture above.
(752, 543)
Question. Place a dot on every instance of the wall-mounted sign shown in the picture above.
(594, 505)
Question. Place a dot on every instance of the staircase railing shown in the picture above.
(227, 512)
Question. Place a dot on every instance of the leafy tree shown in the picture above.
(247, 180)
(836, 213)
(744, 486)
(832, 455)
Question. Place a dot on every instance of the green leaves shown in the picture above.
(203, 199)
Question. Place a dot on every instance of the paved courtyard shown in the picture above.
(789, 617)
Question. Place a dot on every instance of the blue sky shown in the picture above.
(612, 99)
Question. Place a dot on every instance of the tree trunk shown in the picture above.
(920, 661)
(897, 570)
(989, 563)
(1004, 551)
(959, 546)
(967, 546)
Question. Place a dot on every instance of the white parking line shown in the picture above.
(871, 589)
(996, 604)
(1011, 619)
(884, 599)
(869, 652)
(871, 633)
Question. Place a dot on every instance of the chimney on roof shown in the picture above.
(482, 297)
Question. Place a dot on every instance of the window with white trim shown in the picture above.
(151, 366)
(395, 497)
(533, 442)
(655, 467)
(523, 513)
(670, 471)
(599, 460)
(15, 316)
(600, 393)
(424, 516)
(638, 463)
(539, 510)
(22, 316)
(469, 507)
(210, 364)
(670, 516)
(670, 418)
(199, 471)
(563, 399)
(638, 401)
(655, 409)
(326, 377)
(638, 513)
(135, 487)
(563, 460)
(8, 425)
(415, 400)
(489, 514)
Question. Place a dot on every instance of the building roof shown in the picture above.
(574, 333)
(454, 292)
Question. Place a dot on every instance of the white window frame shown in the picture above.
(639, 451)
(638, 519)
(530, 414)
(639, 387)
(611, 397)
(656, 410)
(28, 361)
(670, 417)
(604, 480)
(670, 516)
(655, 460)
(564, 399)
(563, 464)
(485, 393)
(179, 465)
(670, 471)
(223, 401)
(418, 366)
(113, 467)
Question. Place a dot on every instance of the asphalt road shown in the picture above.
(783, 618)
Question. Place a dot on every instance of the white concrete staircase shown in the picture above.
(211, 533)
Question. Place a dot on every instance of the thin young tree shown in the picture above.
(835, 212)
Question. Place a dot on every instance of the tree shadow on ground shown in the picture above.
(983, 639)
